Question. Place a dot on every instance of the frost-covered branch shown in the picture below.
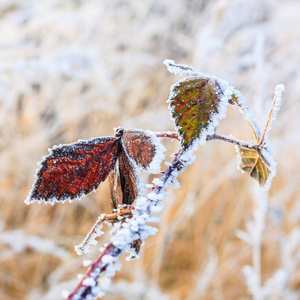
(232, 141)
(131, 229)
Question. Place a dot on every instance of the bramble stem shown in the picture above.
(84, 289)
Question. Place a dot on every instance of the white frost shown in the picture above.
(154, 167)
(180, 68)
(107, 259)
(89, 281)
(86, 262)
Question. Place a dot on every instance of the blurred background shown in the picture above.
(75, 69)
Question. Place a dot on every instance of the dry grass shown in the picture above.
(77, 69)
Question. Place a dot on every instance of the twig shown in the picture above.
(95, 231)
(174, 135)
(232, 140)
(168, 134)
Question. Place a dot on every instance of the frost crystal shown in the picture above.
(158, 182)
(107, 259)
(89, 281)
(86, 262)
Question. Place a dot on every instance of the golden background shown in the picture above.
(76, 69)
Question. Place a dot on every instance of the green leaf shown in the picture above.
(194, 103)
(252, 162)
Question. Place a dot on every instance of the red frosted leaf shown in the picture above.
(73, 170)
(142, 146)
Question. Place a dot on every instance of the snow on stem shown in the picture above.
(132, 229)
(96, 229)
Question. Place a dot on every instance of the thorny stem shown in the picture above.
(84, 290)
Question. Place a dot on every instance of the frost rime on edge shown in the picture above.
(224, 93)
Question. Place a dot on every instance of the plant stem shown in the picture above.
(167, 134)
(83, 289)
(232, 141)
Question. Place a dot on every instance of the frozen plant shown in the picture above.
(197, 104)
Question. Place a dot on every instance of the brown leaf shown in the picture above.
(115, 188)
(252, 163)
(128, 179)
(139, 146)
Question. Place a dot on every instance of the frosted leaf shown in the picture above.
(74, 170)
(259, 164)
(144, 148)
(197, 105)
